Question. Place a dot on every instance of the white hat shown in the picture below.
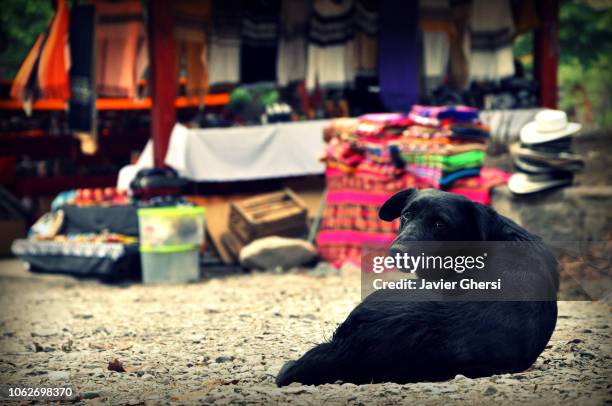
(548, 125)
(523, 184)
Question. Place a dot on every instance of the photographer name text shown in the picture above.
(441, 284)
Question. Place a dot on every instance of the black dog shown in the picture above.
(410, 341)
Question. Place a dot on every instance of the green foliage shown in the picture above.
(21, 22)
(523, 51)
(585, 77)
(586, 90)
(585, 74)
(585, 32)
(250, 101)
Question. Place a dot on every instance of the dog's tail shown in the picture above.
(318, 366)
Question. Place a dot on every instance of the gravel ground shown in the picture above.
(223, 341)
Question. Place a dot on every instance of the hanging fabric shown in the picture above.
(291, 60)
(438, 29)
(82, 105)
(259, 41)
(121, 47)
(44, 72)
(525, 16)
(492, 28)
(23, 86)
(366, 37)
(55, 57)
(331, 45)
(399, 54)
(460, 45)
(436, 48)
(192, 21)
(224, 46)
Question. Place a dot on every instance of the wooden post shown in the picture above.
(546, 50)
(162, 75)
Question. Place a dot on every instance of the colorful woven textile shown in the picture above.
(54, 63)
(350, 221)
(433, 115)
(478, 189)
(362, 173)
(447, 143)
(343, 128)
(448, 163)
(121, 50)
(372, 157)
(44, 72)
(439, 179)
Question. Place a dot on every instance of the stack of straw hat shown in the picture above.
(543, 156)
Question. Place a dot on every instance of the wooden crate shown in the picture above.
(232, 244)
(281, 213)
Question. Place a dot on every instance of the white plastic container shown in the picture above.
(169, 239)
(163, 227)
(170, 267)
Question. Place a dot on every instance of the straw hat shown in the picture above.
(548, 125)
(522, 183)
(535, 161)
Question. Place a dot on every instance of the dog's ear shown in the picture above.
(392, 208)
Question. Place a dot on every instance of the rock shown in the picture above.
(223, 358)
(67, 346)
(296, 390)
(490, 391)
(586, 354)
(196, 339)
(116, 365)
(461, 378)
(43, 332)
(99, 372)
(281, 252)
(59, 375)
(98, 346)
(90, 395)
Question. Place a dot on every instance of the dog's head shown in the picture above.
(433, 215)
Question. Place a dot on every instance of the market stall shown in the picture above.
(229, 91)
(324, 59)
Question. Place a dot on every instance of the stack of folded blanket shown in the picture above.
(372, 157)
(444, 144)
(343, 151)
(361, 175)
(376, 134)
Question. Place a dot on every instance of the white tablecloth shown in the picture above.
(239, 153)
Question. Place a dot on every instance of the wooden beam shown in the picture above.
(546, 50)
(162, 71)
